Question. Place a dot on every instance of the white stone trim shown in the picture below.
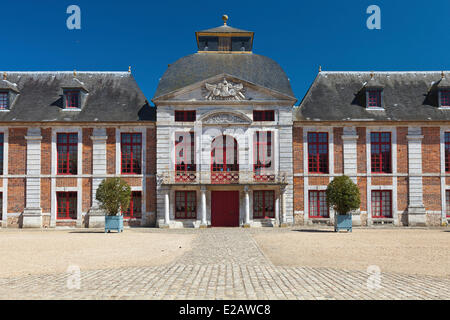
(4, 219)
(444, 187)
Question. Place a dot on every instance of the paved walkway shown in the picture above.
(224, 264)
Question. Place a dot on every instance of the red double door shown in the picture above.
(225, 208)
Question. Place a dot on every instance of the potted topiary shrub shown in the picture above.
(343, 196)
(114, 195)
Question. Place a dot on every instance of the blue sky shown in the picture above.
(300, 35)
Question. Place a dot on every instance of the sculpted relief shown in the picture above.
(224, 90)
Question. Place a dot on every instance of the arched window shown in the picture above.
(224, 154)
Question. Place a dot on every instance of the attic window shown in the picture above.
(4, 101)
(445, 98)
(374, 98)
(72, 99)
(185, 116)
(264, 115)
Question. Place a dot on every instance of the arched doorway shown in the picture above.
(224, 160)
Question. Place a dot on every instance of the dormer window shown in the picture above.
(444, 98)
(374, 98)
(4, 100)
(72, 99)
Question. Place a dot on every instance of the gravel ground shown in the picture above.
(27, 252)
(406, 251)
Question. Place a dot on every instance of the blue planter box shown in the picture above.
(343, 222)
(113, 223)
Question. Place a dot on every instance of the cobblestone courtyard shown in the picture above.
(223, 264)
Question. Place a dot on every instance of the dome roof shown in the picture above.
(257, 69)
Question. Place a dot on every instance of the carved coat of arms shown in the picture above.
(224, 91)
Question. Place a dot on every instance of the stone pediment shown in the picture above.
(223, 89)
(224, 117)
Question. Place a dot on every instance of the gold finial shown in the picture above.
(129, 69)
(372, 74)
(320, 68)
(74, 72)
(4, 75)
(225, 19)
(442, 75)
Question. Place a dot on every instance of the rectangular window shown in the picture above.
(185, 205)
(264, 204)
(380, 144)
(318, 152)
(447, 152)
(135, 208)
(263, 154)
(263, 115)
(447, 203)
(318, 207)
(131, 153)
(4, 101)
(381, 204)
(66, 205)
(185, 116)
(374, 99)
(67, 152)
(72, 99)
(2, 141)
(445, 98)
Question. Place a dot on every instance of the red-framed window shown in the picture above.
(263, 115)
(447, 203)
(185, 115)
(318, 206)
(447, 151)
(382, 204)
(72, 99)
(2, 141)
(4, 100)
(263, 152)
(380, 145)
(184, 152)
(224, 154)
(67, 152)
(134, 210)
(445, 98)
(131, 153)
(185, 205)
(374, 98)
(263, 204)
(318, 152)
(66, 207)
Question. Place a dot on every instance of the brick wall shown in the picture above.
(111, 151)
(297, 138)
(431, 150)
(338, 150)
(402, 150)
(361, 150)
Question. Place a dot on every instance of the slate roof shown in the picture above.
(250, 67)
(224, 29)
(112, 96)
(407, 96)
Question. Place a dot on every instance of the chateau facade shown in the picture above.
(224, 143)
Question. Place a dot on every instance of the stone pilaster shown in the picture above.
(247, 207)
(32, 214)
(96, 216)
(203, 204)
(416, 209)
(349, 139)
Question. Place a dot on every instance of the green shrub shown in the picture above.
(343, 195)
(113, 194)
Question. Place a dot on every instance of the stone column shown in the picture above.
(203, 224)
(277, 210)
(247, 207)
(349, 140)
(32, 214)
(167, 208)
(96, 217)
(283, 206)
(416, 209)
